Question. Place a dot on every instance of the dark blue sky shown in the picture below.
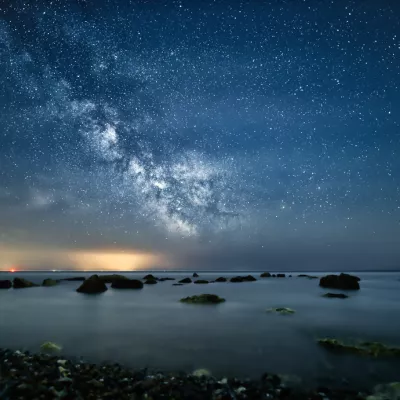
(215, 134)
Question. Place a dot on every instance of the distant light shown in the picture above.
(12, 270)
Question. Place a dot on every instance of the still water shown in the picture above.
(150, 327)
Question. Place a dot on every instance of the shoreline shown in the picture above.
(26, 375)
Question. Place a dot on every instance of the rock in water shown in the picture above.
(185, 280)
(20, 283)
(6, 284)
(248, 278)
(281, 275)
(342, 281)
(195, 275)
(221, 279)
(203, 299)
(201, 281)
(336, 295)
(49, 282)
(282, 310)
(150, 282)
(150, 276)
(50, 347)
(92, 285)
(75, 278)
(265, 275)
(111, 278)
(127, 284)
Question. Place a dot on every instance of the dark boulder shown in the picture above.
(150, 276)
(221, 279)
(49, 282)
(201, 281)
(273, 276)
(92, 285)
(6, 284)
(265, 275)
(75, 278)
(247, 278)
(336, 295)
(111, 278)
(150, 281)
(307, 276)
(195, 275)
(20, 283)
(166, 279)
(281, 275)
(203, 299)
(342, 281)
(185, 280)
(127, 284)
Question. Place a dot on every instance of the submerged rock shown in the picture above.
(127, 284)
(5, 284)
(92, 285)
(177, 284)
(49, 282)
(265, 275)
(201, 281)
(111, 278)
(185, 280)
(248, 278)
(374, 349)
(342, 281)
(281, 310)
(20, 283)
(335, 295)
(195, 275)
(221, 279)
(203, 299)
(75, 278)
(165, 279)
(307, 276)
(281, 275)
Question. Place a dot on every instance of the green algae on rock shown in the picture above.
(50, 347)
(49, 282)
(203, 299)
(374, 349)
(282, 310)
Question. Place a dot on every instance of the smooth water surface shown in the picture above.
(150, 327)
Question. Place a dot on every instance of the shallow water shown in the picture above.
(150, 327)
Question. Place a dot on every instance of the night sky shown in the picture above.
(200, 134)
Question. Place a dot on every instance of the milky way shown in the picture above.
(256, 122)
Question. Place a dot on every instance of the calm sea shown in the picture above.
(150, 327)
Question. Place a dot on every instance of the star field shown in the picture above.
(220, 132)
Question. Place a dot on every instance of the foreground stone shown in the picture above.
(248, 278)
(20, 283)
(92, 285)
(335, 295)
(5, 284)
(43, 376)
(342, 281)
(203, 299)
(49, 282)
(374, 349)
(127, 284)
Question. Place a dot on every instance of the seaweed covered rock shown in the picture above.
(20, 283)
(50, 347)
(201, 281)
(203, 299)
(335, 295)
(5, 284)
(281, 310)
(111, 278)
(49, 282)
(374, 349)
(92, 285)
(127, 284)
(265, 275)
(248, 278)
(342, 281)
(221, 279)
(185, 280)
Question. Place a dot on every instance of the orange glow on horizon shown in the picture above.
(13, 270)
